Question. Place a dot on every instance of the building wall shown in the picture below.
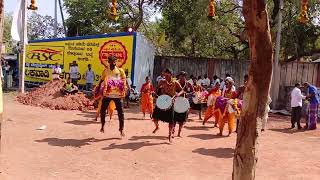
(144, 61)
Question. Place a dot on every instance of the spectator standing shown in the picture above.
(56, 71)
(296, 105)
(89, 78)
(9, 71)
(312, 114)
(200, 81)
(191, 80)
(160, 78)
(206, 81)
(74, 71)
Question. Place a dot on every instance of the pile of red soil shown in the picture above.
(49, 96)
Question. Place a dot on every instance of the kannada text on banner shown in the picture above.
(41, 56)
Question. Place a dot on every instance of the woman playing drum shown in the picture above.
(196, 102)
(170, 88)
(187, 88)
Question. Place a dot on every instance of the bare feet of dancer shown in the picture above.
(102, 130)
(155, 130)
(122, 134)
(156, 123)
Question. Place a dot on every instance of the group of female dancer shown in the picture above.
(183, 88)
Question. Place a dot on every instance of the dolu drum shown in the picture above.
(196, 98)
(164, 102)
(181, 105)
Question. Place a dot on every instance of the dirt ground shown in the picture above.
(71, 147)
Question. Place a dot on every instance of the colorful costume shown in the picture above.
(170, 89)
(114, 89)
(312, 113)
(214, 93)
(227, 116)
(147, 98)
(187, 88)
(197, 90)
(98, 97)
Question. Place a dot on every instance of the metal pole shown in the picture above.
(55, 18)
(23, 47)
(62, 17)
(276, 66)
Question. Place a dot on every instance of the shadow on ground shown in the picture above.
(136, 138)
(81, 122)
(89, 114)
(198, 128)
(72, 142)
(218, 152)
(206, 136)
(132, 146)
(288, 130)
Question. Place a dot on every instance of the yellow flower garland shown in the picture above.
(303, 17)
(113, 13)
(211, 14)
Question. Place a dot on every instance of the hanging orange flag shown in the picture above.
(212, 10)
(113, 13)
(303, 16)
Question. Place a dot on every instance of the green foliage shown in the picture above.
(42, 27)
(7, 33)
(88, 17)
(299, 39)
(192, 34)
(188, 30)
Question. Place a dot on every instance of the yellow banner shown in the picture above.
(42, 55)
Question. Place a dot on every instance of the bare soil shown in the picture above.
(49, 96)
(71, 147)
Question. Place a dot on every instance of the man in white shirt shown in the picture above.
(191, 80)
(160, 78)
(206, 81)
(56, 71)
(74, 71)
(89, 78)
(199, 81)
(296, 105)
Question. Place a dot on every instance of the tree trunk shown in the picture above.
(1, 35)
(257, 90)
(140, 16)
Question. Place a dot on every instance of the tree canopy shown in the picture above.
(184, 28)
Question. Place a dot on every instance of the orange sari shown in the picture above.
(146, 98)
(210, 111)
(228, 117)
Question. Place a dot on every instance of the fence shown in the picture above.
(291, 73)
(201, 66)
(296, 72)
